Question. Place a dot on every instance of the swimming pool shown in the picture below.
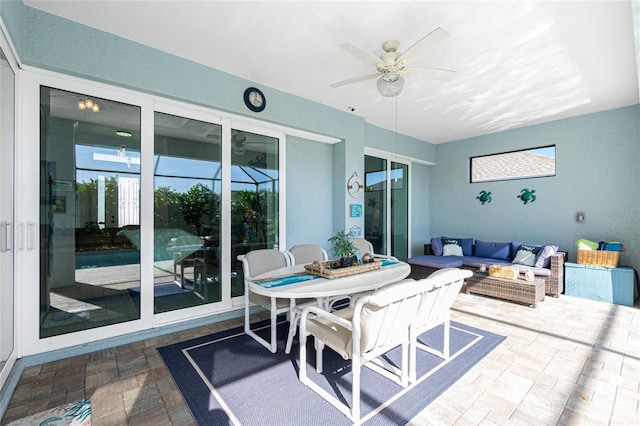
(103, 258)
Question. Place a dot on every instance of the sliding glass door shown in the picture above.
(141, 212)
(254, 198)
(89, 212)
(7, 223)
(187, 212)
(386, 206)
(399, 184)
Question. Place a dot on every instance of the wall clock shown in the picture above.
(254, 99)
(354, 185)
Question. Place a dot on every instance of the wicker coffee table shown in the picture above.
(522, 291)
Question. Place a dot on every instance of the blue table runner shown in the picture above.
(300, 277)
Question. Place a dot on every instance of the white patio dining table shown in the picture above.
(268, 284)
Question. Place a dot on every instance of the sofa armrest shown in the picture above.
(556, 281)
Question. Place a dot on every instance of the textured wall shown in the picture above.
(309, 192)
(597, 173)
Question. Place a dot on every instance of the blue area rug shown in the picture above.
(227, 377)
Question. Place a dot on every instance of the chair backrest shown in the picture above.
(363, 246)
(385, 315)
(258, 262)
(307, 253)
(442, 288)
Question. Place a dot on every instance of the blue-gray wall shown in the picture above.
(49, 42)
(597, 173)
(597, 154)
(309, 192)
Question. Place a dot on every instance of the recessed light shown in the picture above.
(123, 133)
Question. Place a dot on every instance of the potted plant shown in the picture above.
(343, 247)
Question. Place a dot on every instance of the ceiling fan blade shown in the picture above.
(354, 80)
(423, 45)
(431, 73)
(361, 53)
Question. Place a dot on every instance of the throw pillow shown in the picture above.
(543, 259)
(467, 245)
(451, 247)
(526, 255)
(436, 246)
(500, 251)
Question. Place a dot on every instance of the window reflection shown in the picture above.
(375, 208)
(89, 199)
(399, 210)
(187, 193)
(90, 211)
(254, 198)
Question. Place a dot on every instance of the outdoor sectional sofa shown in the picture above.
(544, 261)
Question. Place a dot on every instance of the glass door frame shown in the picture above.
(12, 357)
(206, 115)
(28, 211)
(393, 158)
(27, 207)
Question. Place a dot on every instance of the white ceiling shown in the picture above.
(518, 63)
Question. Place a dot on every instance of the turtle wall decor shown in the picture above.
(527, 195)
(484, 197)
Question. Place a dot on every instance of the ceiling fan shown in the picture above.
(239, 142)
(391, 65)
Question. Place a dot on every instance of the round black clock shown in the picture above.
(254, 99)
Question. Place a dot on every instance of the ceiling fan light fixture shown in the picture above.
(388, 88)
(238, 149)
(391, 77)
(88, 104)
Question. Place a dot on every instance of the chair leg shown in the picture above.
(272, 345)
(412, 354)
(247, 314)
(293, 324)
(404, 374)
(355, 392)
(303, 357)
(445, 343)
(319, 346)
(274, 322)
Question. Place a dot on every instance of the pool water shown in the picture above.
(101, 259)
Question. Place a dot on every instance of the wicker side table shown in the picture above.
(522, 291)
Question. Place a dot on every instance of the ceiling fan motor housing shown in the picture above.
(390, 45)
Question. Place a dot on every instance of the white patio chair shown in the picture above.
(365, 246)
(258, 262)
(442, 288)
(377, 323)
(307, 253)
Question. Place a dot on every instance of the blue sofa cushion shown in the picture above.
(474, 261)
(438, 262)
(436, 246)
(500, 251)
